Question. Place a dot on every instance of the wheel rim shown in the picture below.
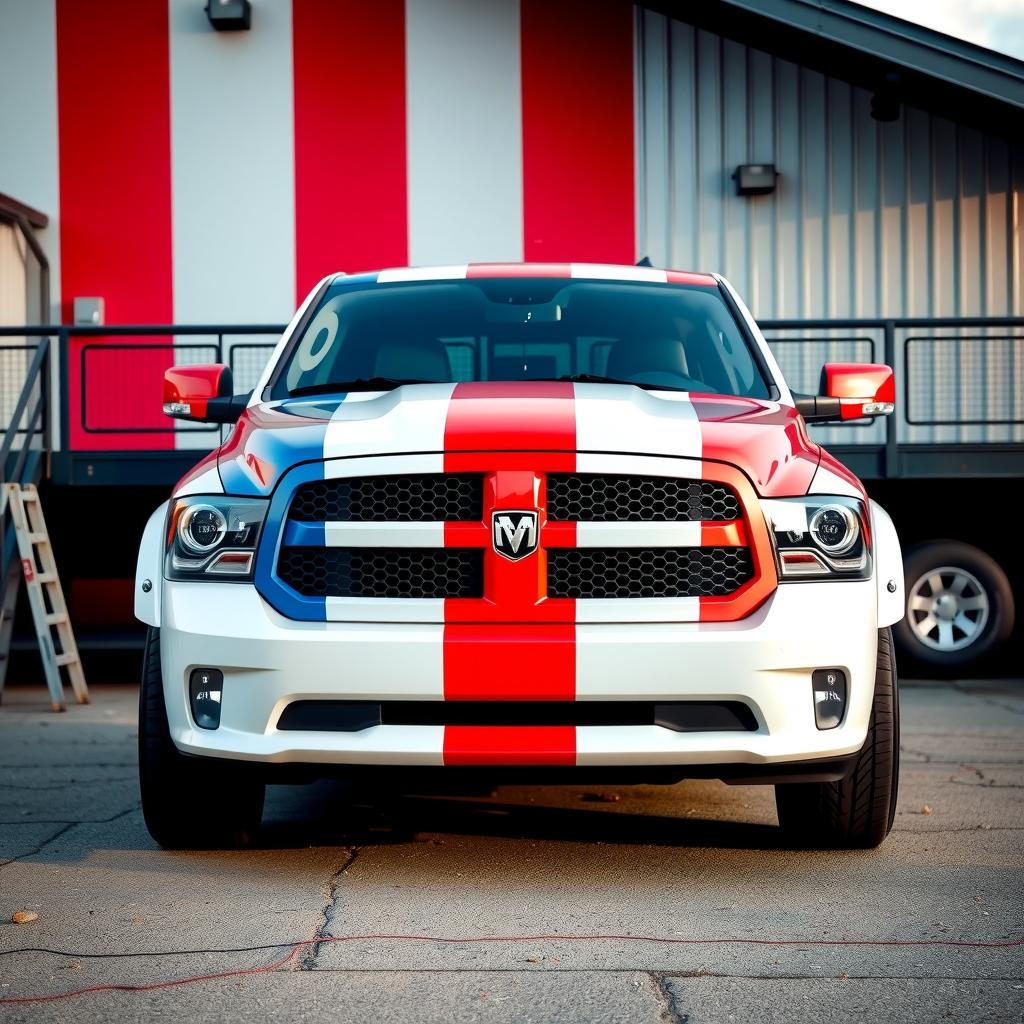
(947, 608)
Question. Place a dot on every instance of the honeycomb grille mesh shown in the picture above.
(642, 572)
(598, 498)
(383, 572)
(425, 497)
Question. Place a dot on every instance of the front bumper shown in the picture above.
(764, 660)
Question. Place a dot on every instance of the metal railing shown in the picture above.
(26, 436)
(959, 380)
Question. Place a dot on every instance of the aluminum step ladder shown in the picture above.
(45, 595)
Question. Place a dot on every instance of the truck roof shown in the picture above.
(596, 271)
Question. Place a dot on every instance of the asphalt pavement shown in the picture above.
(672, 903)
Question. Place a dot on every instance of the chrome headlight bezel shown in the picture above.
(236, 525)
(802, 554)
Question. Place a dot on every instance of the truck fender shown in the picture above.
(150, 568)
(888, 567)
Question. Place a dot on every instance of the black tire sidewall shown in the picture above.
(166, 777)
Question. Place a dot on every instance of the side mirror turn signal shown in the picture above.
(850, 391)
(202, 394)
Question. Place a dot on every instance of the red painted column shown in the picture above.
(350, 149)
(113, 74)
(578, 134)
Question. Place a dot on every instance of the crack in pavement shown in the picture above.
(70, 764)
(309, 959)
(670, 1011)
(42, 846)
(964, 828)
(69, 782)
(74, 821)
(658, 977)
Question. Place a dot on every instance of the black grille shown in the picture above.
(642, 572)
(353, 716)
(383, 572)
(425, 497)
(594, 498)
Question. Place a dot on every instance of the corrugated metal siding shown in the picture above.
(916, 218)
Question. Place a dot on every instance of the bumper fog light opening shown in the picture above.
(829, 689)
(206, 690)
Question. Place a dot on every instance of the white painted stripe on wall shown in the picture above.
(29, 170)
(464, 131)
(638, 535)
(232, 170)
(29, 167)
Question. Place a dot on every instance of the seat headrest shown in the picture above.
(629, 357)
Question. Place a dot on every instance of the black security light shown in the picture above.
(229, 15)
(755, 179)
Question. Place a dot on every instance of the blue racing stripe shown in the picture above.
(304, 535)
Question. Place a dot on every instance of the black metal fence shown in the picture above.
(960, 381)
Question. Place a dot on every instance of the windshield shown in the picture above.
(377, 336)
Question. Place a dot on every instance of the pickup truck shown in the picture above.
(491, 522)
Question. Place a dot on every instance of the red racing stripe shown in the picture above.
(510, 744)
(514, 644)
(577, 95)
(519, 270)
(521, 661)
(350, 148)
(114, 124)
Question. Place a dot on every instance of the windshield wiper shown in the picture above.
(359, 384)
(595, 378)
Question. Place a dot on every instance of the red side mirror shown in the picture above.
(863, 389)
(188, 390)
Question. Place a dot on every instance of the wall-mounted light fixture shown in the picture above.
(755, 179)
(229, 15)
(89, 310)
(885, 102)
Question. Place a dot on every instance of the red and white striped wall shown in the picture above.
(195, 176)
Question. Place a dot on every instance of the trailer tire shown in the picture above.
(959, 604)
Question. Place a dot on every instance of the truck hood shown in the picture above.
(765, 440)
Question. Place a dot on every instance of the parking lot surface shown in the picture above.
(672, 903)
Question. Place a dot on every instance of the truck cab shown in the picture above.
(492, 519)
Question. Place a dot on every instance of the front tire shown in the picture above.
(189, 802)
(858, 811)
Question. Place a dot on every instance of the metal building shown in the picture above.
(171, 174)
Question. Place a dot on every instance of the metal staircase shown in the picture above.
(25, 550)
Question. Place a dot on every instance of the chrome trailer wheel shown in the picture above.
(959, 605)
(947, 608)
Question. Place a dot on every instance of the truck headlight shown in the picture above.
(820, 537)
(213, 537)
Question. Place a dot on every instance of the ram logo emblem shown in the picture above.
(514, 533)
